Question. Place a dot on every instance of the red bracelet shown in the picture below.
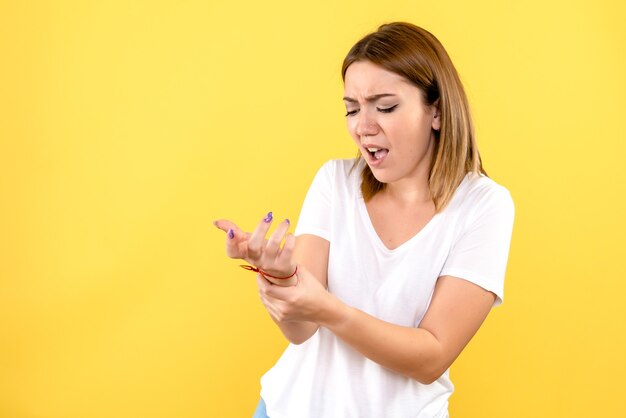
(264, 274)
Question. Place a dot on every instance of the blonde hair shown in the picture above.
(415, 54)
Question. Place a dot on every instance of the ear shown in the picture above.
(436, 124)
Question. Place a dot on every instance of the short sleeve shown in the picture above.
(481, 250)
(315, 215)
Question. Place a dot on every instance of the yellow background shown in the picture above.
(127, 127)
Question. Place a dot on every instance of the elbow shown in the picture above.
(430, 371)
(427, 377)
(299, 340)
(431, 364)
(301, 336)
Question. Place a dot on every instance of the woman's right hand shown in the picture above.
(265, 254)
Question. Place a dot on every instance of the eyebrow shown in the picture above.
(372, 98)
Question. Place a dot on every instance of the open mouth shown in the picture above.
(378, 153)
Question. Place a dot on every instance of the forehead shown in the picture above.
(364, 78)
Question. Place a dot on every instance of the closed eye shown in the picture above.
(382, 110)
(387, 110)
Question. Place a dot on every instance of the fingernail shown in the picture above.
(215, 223)
(231, 234)
(288, 222)
(268, 218)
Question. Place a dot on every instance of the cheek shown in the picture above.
(351, 125)
(421, 129)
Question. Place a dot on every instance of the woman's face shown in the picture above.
(389, 122)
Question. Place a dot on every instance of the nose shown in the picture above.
(366, 125)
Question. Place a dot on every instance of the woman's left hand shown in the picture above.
(265, 254)
(306, 301)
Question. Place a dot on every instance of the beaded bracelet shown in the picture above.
(264, 274)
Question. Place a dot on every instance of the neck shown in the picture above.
(414, 189)
(409, 193)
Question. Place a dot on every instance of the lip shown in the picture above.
(371, 161)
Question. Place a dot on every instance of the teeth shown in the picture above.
(373, 149)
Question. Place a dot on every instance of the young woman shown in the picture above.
(400, 253)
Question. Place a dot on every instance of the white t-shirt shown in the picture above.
(326, 378)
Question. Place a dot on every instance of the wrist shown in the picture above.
(335, 314)
(291, 281)
(283, 280)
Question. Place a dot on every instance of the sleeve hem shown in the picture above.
(477, 279)
(313, 231)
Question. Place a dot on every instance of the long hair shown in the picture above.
(415, 54)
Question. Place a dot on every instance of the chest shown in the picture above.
(396, 224)
(393, 284)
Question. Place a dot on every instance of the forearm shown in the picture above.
(297, 332)
(412, 352)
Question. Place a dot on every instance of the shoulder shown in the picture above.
(485, 187)
(340, 170)
(479, 193)
(340, 166)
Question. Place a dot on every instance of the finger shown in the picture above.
(284, 258)
(225, 225)
(273, 311)
(233, 241)
(266, 289)
(235, 238)
(267, 301)
(272, 306)
(275, 292)
(257, 240)
(262, 283)
(273, 244)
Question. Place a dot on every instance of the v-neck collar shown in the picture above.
(376, 238)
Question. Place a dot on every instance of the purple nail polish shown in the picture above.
(231, 234)
(288, 222)
(268, 218)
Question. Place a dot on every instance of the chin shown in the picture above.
(382, 175)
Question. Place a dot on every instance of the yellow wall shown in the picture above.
(127, 127)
